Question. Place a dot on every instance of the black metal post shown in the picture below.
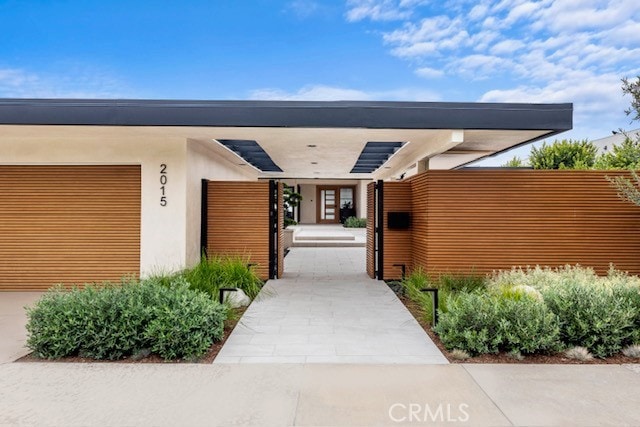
(221, 292)
(297, 208)
(204, 217)
(273, 224)
(380, 228)
(434, 295)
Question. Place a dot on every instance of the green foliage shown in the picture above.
(515, 162)
(290, 198)
(353, 222)
(448, 285)
(632, 87)
(601, 314)
(213, 273)
(593, 317)
(622, 156)
(488, 322)
(627, 190)
(115, 321)
(185, 326)
(289, 221)
(461, 282)
(565, 154)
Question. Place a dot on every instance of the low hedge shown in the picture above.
(489, 323)
(355, 222)
(215, 272)
(539, 310)
(115, 321)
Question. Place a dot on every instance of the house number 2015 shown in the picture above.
(163, 183)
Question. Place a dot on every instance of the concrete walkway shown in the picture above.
(326, 310)
(13, 319)
(63, 394)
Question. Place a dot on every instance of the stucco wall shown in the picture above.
(361, 195)
(203, 163)
(308, 204)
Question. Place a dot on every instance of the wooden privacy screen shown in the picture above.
(68, 224)
(486, 220)
(238, 222)
(397, 243)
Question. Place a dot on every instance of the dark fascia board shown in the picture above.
(296, 114)
(488, 156)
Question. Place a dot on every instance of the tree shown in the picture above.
(623, 156)
(627, 190)
(565, 154)
(515, 162)
(632, 87)
(290, 199)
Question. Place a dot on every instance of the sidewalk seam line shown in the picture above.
(487, 394)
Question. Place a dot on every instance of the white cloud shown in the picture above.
(381, 10)
(506, 47)
(429, 73)
(478, 12)
(479, 67)
(527, 50)
(303, 8)
(76, 82)
(334, 93)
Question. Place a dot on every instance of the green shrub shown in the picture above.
(354, 222)
(461, 282)
(447, 284)
(213, 273)
(470, 324)
(482, 323)
(412, 284)
(186, 325)
(115, 321)
(596, 317)
(599, 313)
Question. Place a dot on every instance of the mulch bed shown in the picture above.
(557, 358)
(211, 354)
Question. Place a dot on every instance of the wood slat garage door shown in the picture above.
(68, 224)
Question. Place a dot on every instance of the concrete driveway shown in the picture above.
(13, 319)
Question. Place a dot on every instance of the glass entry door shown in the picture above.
(328, 206)
(334, 203)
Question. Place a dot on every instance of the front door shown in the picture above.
(335, 203)
(328, 206)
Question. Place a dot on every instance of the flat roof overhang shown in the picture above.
(450, 134)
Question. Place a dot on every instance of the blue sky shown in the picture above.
(416, 50)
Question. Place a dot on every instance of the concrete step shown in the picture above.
(335, 236)
(328, 244)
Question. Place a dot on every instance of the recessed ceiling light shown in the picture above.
(311, 145)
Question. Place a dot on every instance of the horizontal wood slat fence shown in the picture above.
(238, 222)
(68, 224)
(480, 221)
